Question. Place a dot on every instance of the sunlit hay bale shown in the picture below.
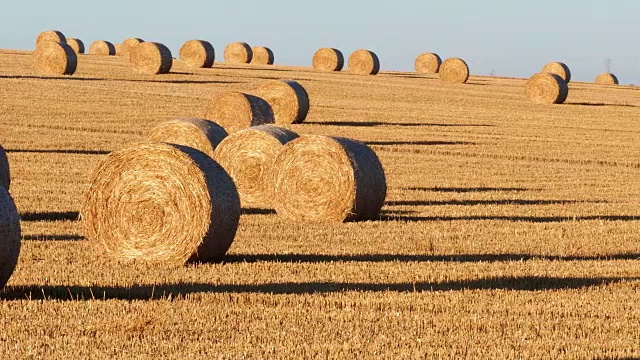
(128, 44)
(55, 58)
(288, 99)
(198, 54)
(319, 178)
(262, 56)
(248, 156)
(151, 58)
(102, 48)
(9, 236)
(364, 62)
(546, 88)
(558, 68)
(50, 36)
(162, 202)
(328, 59)
(202, 135)
(5, 174)
(607, 79)
(118, 48)
(454, 71)
(238, 53)
(235, 111)
(77, 45)
(428, 63)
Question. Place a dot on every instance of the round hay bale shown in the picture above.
(52, 35)
(546, 88)
(198, 54)
(9, 236)
(202, 135)
(151, 58)
(128, 44)
(607, 79)
(328, 59)
(288, 99)
(77, 45)
(162, 202)
(55, 58)
(560, 69)
(102, 48)
(118, 48)
(428, 63)
(238, 53)
(364, 62)
(248, 156)
(454, 71)
(320, 178)
(262, 56)
(235, 111)
(5, 174)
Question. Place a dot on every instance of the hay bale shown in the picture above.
(607, 79)
(320, 178)
(454, 71)
(128, 44)
(288, 99)
(558, 68)
(52, 36)
(151, 58)
(546, 88)
(5, 174)
(55, 58)
(77, 45)
(202, 135)
(118, 48)
(102, 48)
(163, 203)
(428, 63)
(328, 59)
(262, 56)
(235, 111)
(238, 53)
(248, 156)
(198, 54)
(364, 62)
(9, 236)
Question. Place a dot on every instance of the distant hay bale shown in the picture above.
(238, 53)
(454, 71)
(546, 88)
(151, 58)
(262, 56)
(607, 79)
(364, 62)
(558, 68)
(202, 135)
(55, 58)
(102, 48)
(288, 99)
(10, 236)
(52, 36)
(77, 45)
(5, 174)
(428, 63)
(235, 111)
(198, 54)
(162, 203)
(128, 44)
(320, 178)
(118, 48)
(248, 157)
(328, 59)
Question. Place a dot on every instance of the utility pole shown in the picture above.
(607, 63)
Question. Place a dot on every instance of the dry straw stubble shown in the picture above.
(5, 173)
(558, 68)
(128, 44)
(200, 134)
(546, 88)
(50, 36)
(607, 79)
(454, 71)
(288, 100)
(163, 203)
(319, 178)
(328, 59)
(198, 54)
(55, 59)
(262, 56)
(235, 111)
(102, 48)
(10, 236)
(77, 45)
(428, 63)
(238, 53)
(364, 62)
(151, 58)
(248, 156)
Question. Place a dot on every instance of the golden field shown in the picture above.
(511, 230)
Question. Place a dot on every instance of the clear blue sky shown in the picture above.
(509, 37)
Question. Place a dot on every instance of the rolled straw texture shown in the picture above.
(9, 236)
(607, 79)
(236, 111)
(546, 88)
(238, 53)
(364, 62)
(77, 45)
(151, 58)
(328, 59)
(128, 44)
(288, 99)
(454, 71)
(262, 56)
(52, 36)
(560, 69)
(198, 54)
(55, 59)
(202, 135)
(102, 48)
(428, 63)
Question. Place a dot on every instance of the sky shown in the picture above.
(501, 37)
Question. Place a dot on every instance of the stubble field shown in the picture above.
(511, 230)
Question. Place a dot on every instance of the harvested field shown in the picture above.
(511, 230)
